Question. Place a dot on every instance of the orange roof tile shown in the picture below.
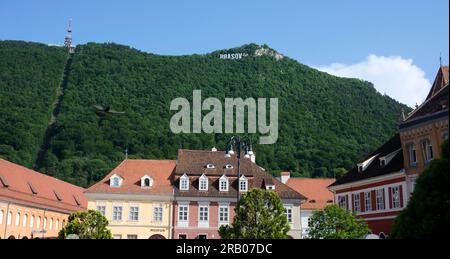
(27, 187)
(316, 190)
(131, 171)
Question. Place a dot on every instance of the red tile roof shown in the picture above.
(316, 190)
(194, 163)
(132, 171)
(27, 187)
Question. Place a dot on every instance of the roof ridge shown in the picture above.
(31, 171)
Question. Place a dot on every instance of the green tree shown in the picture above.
(427, 213)
(259, 215)
(336, 223)
(87, 225)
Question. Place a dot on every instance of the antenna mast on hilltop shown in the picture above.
(68, 39)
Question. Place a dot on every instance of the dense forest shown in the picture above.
(326, 123)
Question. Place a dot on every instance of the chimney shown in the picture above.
(285, 176)
(253, 158)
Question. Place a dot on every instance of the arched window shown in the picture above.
(9, 218)
(146, 182)
(45, 223)
(63, 223)
(32, 221)
(115, 181)
(51, 223)
(1, 217)
(57, 224)
(38, 223)
(24, 223)
(17, 219)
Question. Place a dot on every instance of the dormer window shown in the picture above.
(223, 184)
(382, 162)
(210, 166)
(364, 165)
(229, 166)
(115, 181)
(243, 184)
(184, 183)
(203, 183)
(146, 182)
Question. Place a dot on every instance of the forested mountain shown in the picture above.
(326, 122)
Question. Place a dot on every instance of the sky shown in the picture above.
(394, 44)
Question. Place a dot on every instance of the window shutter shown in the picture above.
(346, 201)
(363, 204)
(373, 197)
(390, 197)
(401, 195)
(384, 199)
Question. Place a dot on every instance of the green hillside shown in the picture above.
(30, 75)
(325, 122)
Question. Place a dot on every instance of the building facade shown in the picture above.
(136, 198)
(424, 130)
(317, 194)
(206, 186)
(375, 189)
(34, 205)
(379, 187)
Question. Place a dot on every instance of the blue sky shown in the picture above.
(327, 34)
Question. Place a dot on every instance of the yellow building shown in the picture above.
(34, 205)
(136, 198)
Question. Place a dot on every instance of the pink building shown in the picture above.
(205, 187)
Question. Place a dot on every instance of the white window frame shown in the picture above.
(357, 202)
(113, 181)
(427, 150)
(184, 183)
(224, 214)
(203, 216)
(203, 183)
(342, 202)
(117, 210)
(396, 203)
(158, 214)
(183, 215)
(143, 179)
(288, 212)
(379, 197)
(412, 154)
(102, 209)
(243, 182)
(223, 181)
(368, 201)
(1, 217)
(133, 213)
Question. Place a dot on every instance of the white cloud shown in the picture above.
(397, 77)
